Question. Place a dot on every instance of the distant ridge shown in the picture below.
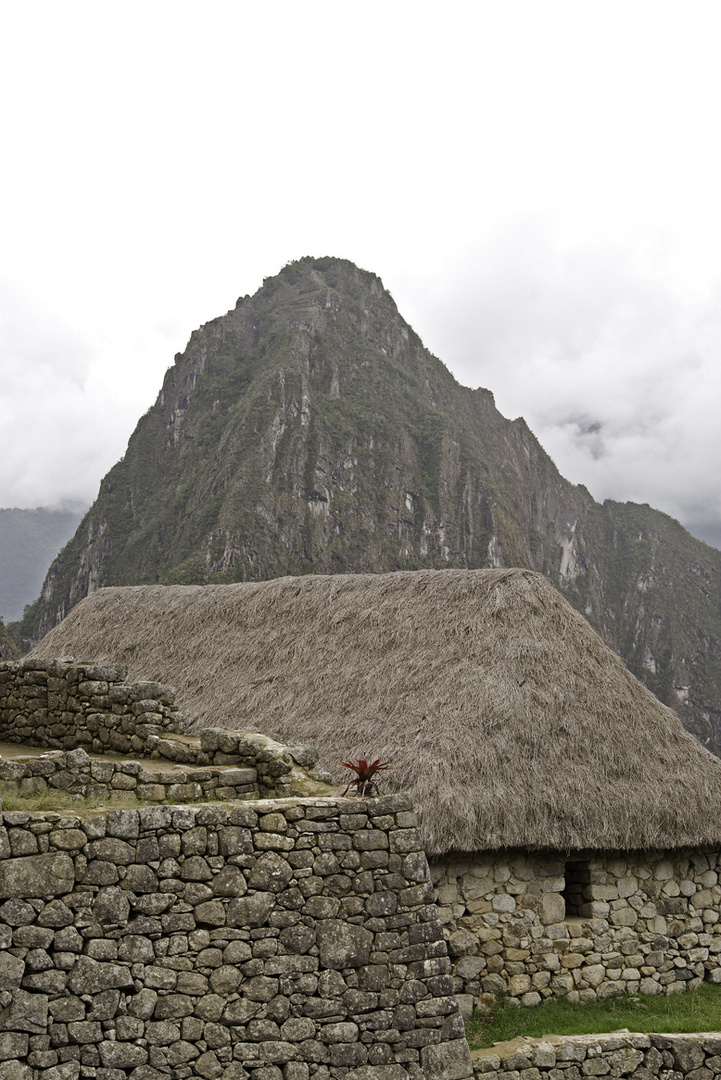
(29, 541)
(309, 431)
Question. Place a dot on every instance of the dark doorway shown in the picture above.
(577, 878)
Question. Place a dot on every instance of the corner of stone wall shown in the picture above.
(62, 704)
(75, 710)
(284, 939)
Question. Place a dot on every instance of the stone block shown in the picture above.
(503, 902)
(90, 976)
(625, 1060)
(624, 916)
(184, 793)
(13, 1045)
(463, 943)
(543, 1055)
(15, 1070)
(253, 911)
(118, 1055)
(593, 975)
(343, 945)
(609, 989)
(140, 879)
(569, 1050)
(688, 1054)
(601, 892)
(26, 1012)
(260, 988)
(552, 908)
(572, 960)
(518, 985)
(12, 969)
(378, 1072)
(470, 967)
(447, 1061)
(596, 1066)
(596, 909)
(37, 876)
(271, 873)
(123, 824)
(151, 792)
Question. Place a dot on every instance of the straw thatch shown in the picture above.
(500, 709)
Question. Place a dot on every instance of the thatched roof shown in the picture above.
(501, 711)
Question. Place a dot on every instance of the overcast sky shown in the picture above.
(538, 185)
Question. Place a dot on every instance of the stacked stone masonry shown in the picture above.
(277, 940)
(670, 1057)
(65, 705)
(530, 926)
(74, 709)
(81, 777)
(645, 923)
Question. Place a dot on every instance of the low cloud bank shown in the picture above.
(613, 362)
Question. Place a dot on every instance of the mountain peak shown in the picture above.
(309, 431)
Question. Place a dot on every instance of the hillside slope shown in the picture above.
(309, 431)
(8, 649)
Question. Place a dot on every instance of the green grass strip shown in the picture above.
(698, 1010)
(56, 799)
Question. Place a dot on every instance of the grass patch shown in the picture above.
(697, 1010)
(55, 799)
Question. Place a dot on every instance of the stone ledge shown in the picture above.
(612, 1054)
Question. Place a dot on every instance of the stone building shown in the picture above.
(573, 826)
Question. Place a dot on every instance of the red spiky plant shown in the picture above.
(365, 771)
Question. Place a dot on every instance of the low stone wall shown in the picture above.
(571, 1058)
(285, 939)
(650, 924)
(277, 766)
(64, 705)
(82, 777)
(87, 707)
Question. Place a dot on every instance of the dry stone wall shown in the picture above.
(670, 1057)
(641, 923)
(282, 939)
(63, 705)
(82, 777)
(75, 708)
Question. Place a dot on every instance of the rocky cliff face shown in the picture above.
(8, 648)
(309, 431)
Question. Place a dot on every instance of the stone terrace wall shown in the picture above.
(649, 924)
(83, 707)
(280, 940)
(64, 705)
(82, 777)
(570, 1058)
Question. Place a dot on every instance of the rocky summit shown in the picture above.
(309, 431)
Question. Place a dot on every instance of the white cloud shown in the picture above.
(58, 432)
(536, 183)
(616, 370)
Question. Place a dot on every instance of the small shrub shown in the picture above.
(365, 771)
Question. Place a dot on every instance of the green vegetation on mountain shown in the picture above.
(8, 648)
(309, 431)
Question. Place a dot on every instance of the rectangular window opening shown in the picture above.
(577, 878)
